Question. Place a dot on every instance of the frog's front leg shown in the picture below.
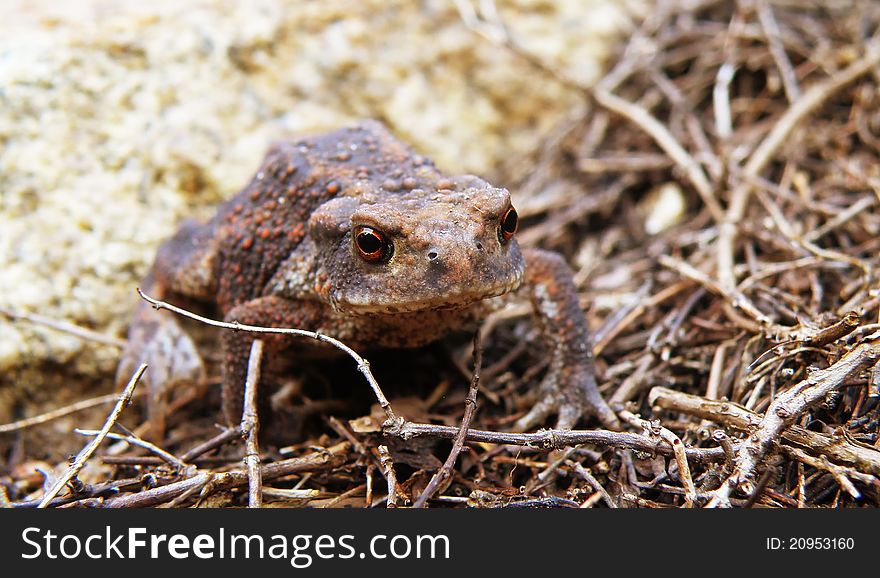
(270, 311)
(569, 387)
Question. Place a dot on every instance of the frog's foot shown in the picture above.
(570, 393)
(569, 388)
(172, 359)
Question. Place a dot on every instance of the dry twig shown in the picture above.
(788, 406)
(387, 465)
(64, 326)
(330, 458)
(61, 412)
(731, 415)
(678, 450)
(439, 480)
(250, 426)
(134, 440)
(84, 455)
(363, 365)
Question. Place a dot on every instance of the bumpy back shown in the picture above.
(259, 227)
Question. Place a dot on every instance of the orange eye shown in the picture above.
(372, 245)
(508, 225)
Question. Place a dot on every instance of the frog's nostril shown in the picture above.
(479, 246)
(432, 255)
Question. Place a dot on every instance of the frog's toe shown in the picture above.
(570, 395)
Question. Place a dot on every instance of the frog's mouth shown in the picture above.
(428, 301)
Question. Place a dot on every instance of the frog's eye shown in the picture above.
(372, 245)
(508, 226)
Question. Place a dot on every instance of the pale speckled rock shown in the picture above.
(119, 119)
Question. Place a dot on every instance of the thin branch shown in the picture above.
(854, 210)
(556, 439)
(64, 327)
(363, 365)
(766, 150)
(344, 496)
(678, 450)
(226, 436)
(732, 295)
(786, 408)
(665, 140)
(89, 449)
(815, 97)
(292, 494)
(605, 337)
(591, 479)
(833, 332)
(330, 458)
(840, 473)
(250, 426)
(387, 465)
(439, 480)
(61, 412)
(191, 456)
(732, 415)
(134, 440)
(777, 50)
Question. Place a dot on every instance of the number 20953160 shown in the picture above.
(808, 543)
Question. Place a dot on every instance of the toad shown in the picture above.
(353, 234)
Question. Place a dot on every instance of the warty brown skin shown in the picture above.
(288, 251)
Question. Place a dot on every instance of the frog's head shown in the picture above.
(445, 243)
